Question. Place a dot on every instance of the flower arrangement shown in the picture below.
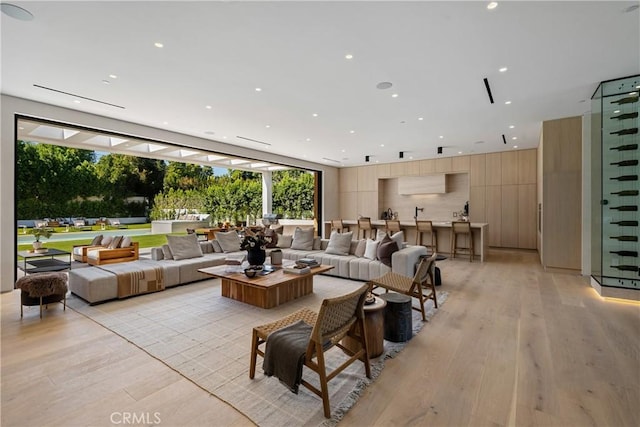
(41, 232)
(252, 241)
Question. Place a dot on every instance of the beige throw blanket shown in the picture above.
(136, 279)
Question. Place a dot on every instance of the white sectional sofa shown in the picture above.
(102, 283)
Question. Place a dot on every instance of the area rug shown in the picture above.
(207, 339)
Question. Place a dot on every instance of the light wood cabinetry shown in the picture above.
(500, 187)
(561, 193)
(428, 184)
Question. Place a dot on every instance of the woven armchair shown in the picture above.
(338, 317)
(421, 286)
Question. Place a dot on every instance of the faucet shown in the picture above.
(418, 209)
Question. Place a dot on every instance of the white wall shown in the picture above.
(10, 106)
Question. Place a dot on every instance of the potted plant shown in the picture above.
(38, 233)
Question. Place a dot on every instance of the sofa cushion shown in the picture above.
(371, 249)
(317, 243)
(302, 239)
(106, 240)
(361, 246)
(386, 248)
(206, 247)
(339, 243)
(166, 252)
(229, 241)
(284, 241)
(96, 240)
(216, 246)
(184, 247)
(126, 242)
(115, 243)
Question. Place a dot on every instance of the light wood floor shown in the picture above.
(513, 345)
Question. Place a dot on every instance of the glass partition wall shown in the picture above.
(614, 180)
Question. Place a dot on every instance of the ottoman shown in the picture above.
(93, 284)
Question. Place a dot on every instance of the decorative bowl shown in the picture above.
(250, 272)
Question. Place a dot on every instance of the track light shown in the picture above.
(504, 140)
(401, 154)
(366, 158)
(439, 150)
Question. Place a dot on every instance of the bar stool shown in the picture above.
(364, 225)
(461, 227)
(338, 225)
(393, 226)
(423, 226)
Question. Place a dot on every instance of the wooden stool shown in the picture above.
(426, 227)
(364, 225)
(338, 225)
(393, 226)
(464, 228)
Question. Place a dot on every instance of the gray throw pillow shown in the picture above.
(339, 243)
(229, 241)
(184, 247)
(362, 246)
(216, 246)
(106, 240)
(96, 240)
(284, 241)
(115, 243)
(126, 242)
(166, 252)
(302, 239)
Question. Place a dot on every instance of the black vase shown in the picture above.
(256, 256)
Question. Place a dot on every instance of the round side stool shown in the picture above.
(398, 323)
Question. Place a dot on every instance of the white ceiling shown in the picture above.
(216, 54)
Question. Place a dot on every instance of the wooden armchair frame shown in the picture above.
(111, 256)
(338, 317)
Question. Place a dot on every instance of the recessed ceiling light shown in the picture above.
(492, 5)
(507, 102)
(113, 76)
(459, 152)
(420, 118)
(410, 157)
(315, 114)
(352, 131)
(158, 44)
(384, 85)
(503, 69)
(258, 89)
(77, 101)
(224, 137)
(441, 136)
(395, 95)
(348, 56)
(381, 145)
(514, 137)
(344, 151)
(208, 107)
(267, 126)
(308, 139)
(616, 111)
(515, 146)
(511, 126)
(16, 12)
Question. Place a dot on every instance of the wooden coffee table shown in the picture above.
(264, 291)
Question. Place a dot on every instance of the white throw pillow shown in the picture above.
(229, 241)
(371, 250)
(380, 233)
(126, 242)
(184, 247)
(398, 238)
(106, 241)
(339, 243)
(302, 239)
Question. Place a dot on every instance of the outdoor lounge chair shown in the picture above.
(115, 223)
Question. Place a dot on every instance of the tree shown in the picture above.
(186, 176)
(293, 192)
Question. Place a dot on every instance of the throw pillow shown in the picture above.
(284, 241)
(126, 242)
(216, 246)
(96, 240)
(115, 243)
(399, 239)
(206, 247)
(106, 241)
(277, 228)
(317, 243)
(229, 241)
(362, 246)
(386, 248)
(302, 239)
(339, 243)
(166, 252)
(380, 233)
(371, 249)
(274, 237)
(184, 247)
